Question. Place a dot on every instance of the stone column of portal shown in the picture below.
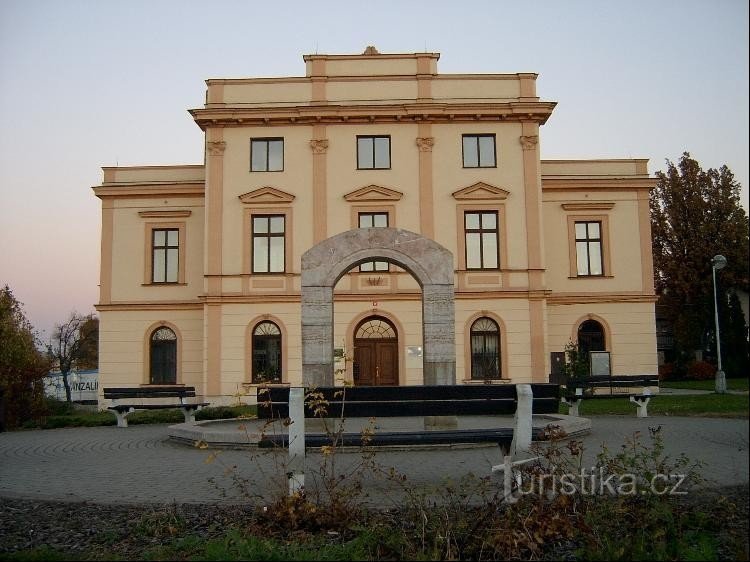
(317, 336)
(439, 363)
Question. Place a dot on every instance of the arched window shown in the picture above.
(266, 353)
(485, 350)
(591, 337)
(377, 328)
(163, 351)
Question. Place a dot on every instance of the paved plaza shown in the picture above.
(139, 464)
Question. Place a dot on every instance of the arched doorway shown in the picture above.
(163, 356)
(591, 337)
(427, 261)
(375, 353)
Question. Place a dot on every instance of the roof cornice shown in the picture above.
(156, 189)
(429, 112)
(594, 183)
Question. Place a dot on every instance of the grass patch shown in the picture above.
(237, 545)
(139, 417)
(708, 405)
(710, 384)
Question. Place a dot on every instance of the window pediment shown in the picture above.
(481, 191)
(373, 193)
(266, 195)
(588, 206)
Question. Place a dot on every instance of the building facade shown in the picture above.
(380, 167)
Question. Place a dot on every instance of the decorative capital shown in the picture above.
(319, 146)
(425, 144)
(530, 142)
(216, 148)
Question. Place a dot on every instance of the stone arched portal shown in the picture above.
(430, 264)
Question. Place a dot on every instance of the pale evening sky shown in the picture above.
(92, 83)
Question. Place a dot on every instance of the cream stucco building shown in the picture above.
(201, 266)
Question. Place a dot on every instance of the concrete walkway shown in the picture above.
(140, 464)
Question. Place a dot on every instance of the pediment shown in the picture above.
(479, 191)
(266, 195)
(373, 193)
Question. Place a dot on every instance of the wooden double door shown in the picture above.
(375, 362)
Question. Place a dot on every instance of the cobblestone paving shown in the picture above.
(139, 464)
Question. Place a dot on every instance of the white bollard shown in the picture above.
(522, 420)
(296, 468)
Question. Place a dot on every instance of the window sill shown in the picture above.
(163, 284)
(591, 277)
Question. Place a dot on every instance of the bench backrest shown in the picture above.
(605, 381)
(393, 401)
(149, 392)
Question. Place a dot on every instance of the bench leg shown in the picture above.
(121, 417)
(572, 406)
(189, 412)
(296, 468)
(642, 404)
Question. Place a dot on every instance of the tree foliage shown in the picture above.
(22, 365)
(695, 215)
(74, 344)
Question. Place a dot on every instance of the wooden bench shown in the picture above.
(127, 400)
(406, 401)
(576, 391)
(437, 404)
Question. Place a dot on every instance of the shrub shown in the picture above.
(701, 370)
(666, 371)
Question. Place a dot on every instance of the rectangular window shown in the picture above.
(481, 233)
(589, 248)
(373, 153)
(373, 220)
(267, 155)
(268, 244)
(165, 255)
(479, 151)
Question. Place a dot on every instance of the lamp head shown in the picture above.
(719, 262)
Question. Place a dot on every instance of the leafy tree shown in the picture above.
(22, 365)
(74, 343)
(695, 215)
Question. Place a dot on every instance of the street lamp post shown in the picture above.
(718, 262)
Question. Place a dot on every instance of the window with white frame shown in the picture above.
(479, 151)
(589, 248)
(269, 243)
(481, 232)
(373, 220)
(165, 255)
(373, 152)
(267, 155)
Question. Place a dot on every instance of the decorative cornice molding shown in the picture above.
(373, 193)
(165, 214)
(529, 142)
(419, 112)
(216, 148)
(171, 190)
(266, 195)
(319, 146)
(425, 144)
(481, 191)
(597, 183)
(588, 206)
